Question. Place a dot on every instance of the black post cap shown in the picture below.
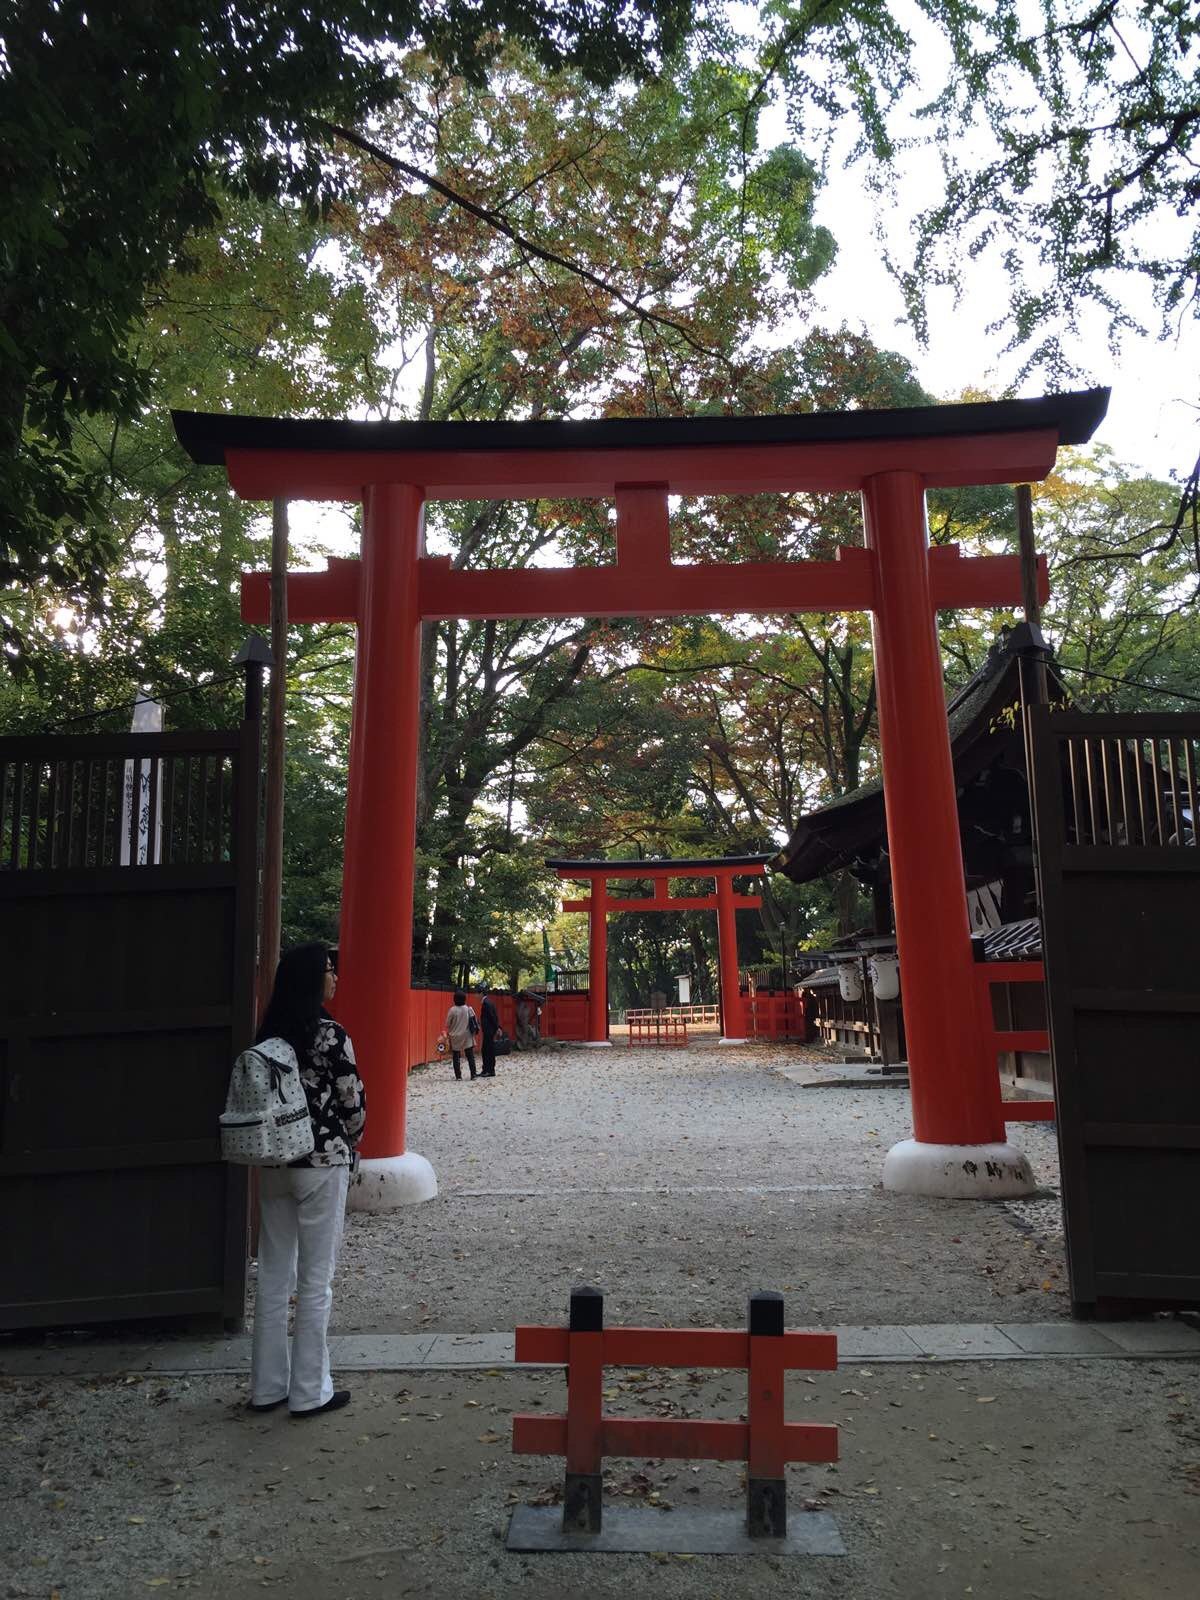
(979, 946)
(765, 1312)
(587, 1310)
(255, 652)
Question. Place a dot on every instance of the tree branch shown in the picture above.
(500, 224)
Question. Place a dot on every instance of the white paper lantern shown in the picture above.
(849, 980)
(885, 976)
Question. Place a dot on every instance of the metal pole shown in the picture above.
(1029, 595)
(272, 893)
(1033, 683)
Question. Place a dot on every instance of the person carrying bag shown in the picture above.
(461, 1028)
(302, 1204)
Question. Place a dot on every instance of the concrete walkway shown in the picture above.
(1154, 1340)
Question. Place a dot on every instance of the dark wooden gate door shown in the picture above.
(128, 868)
(1115, 800)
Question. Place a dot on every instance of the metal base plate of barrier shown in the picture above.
(691, 1530)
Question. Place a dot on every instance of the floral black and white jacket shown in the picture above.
(337, 1101)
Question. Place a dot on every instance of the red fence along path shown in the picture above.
(765, 1441)
(656, 1028)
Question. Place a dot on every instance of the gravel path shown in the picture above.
(678, 1181)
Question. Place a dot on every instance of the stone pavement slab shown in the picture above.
(1154, 1338)
(1060, 1339)
(471, 1350)
(876, 1344)
(955, 1341)
(379, 1352)
(404, 1352)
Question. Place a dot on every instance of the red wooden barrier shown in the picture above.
(765, 1441)
(988, 973)
(656, 1027)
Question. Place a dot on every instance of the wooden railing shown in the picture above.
(1036, 1039)
(116, 800)
(656, 1027)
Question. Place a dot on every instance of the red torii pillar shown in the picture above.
(724, 902)
(890, 458)
(597, 962)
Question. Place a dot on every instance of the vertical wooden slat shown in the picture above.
(168, 809)
(1190, 775)
(69, 816)
(1109, 827)
(34, 816)
(62, 804)
(204, 785)
(14, 854)
(1074, 771)
(1156, 769)
(187, 809)
(5, 807)
(219, 839)
(52, 767)
(1173, 760)
(152, 809)
(113, 780)
(89, 769)
(62, 807)
(135, 807)
(1122, 765)
(1139, 773)
(1091, 790)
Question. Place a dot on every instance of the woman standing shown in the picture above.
(302, 1208)
(460, 1031)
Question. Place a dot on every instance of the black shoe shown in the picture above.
(268, 1405)
(338, 1399)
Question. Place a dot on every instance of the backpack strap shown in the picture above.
(275, 1068)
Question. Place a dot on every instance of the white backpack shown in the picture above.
(266, 1122)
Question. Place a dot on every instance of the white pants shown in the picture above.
(301, 1214)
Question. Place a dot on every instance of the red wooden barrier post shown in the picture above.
(582, 1488)
(1036, 1039)
(765, 1441)
(766, 1485)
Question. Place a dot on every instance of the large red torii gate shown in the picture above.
(723, 869)
(889, 457)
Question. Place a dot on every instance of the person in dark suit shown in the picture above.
(489, 1020)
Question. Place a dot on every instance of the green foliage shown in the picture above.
(1123, 589)
(124, 129)
(1066, 132)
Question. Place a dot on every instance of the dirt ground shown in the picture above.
(1019, 1479)
(678, 1182)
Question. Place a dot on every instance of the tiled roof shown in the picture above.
(1015, 941)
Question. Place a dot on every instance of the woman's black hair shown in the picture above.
(294, 1009)
(460, 998)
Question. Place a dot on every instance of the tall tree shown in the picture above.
(123, 127)
(643, 294)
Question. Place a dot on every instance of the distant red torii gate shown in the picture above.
(723, 869)
(890, 458)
